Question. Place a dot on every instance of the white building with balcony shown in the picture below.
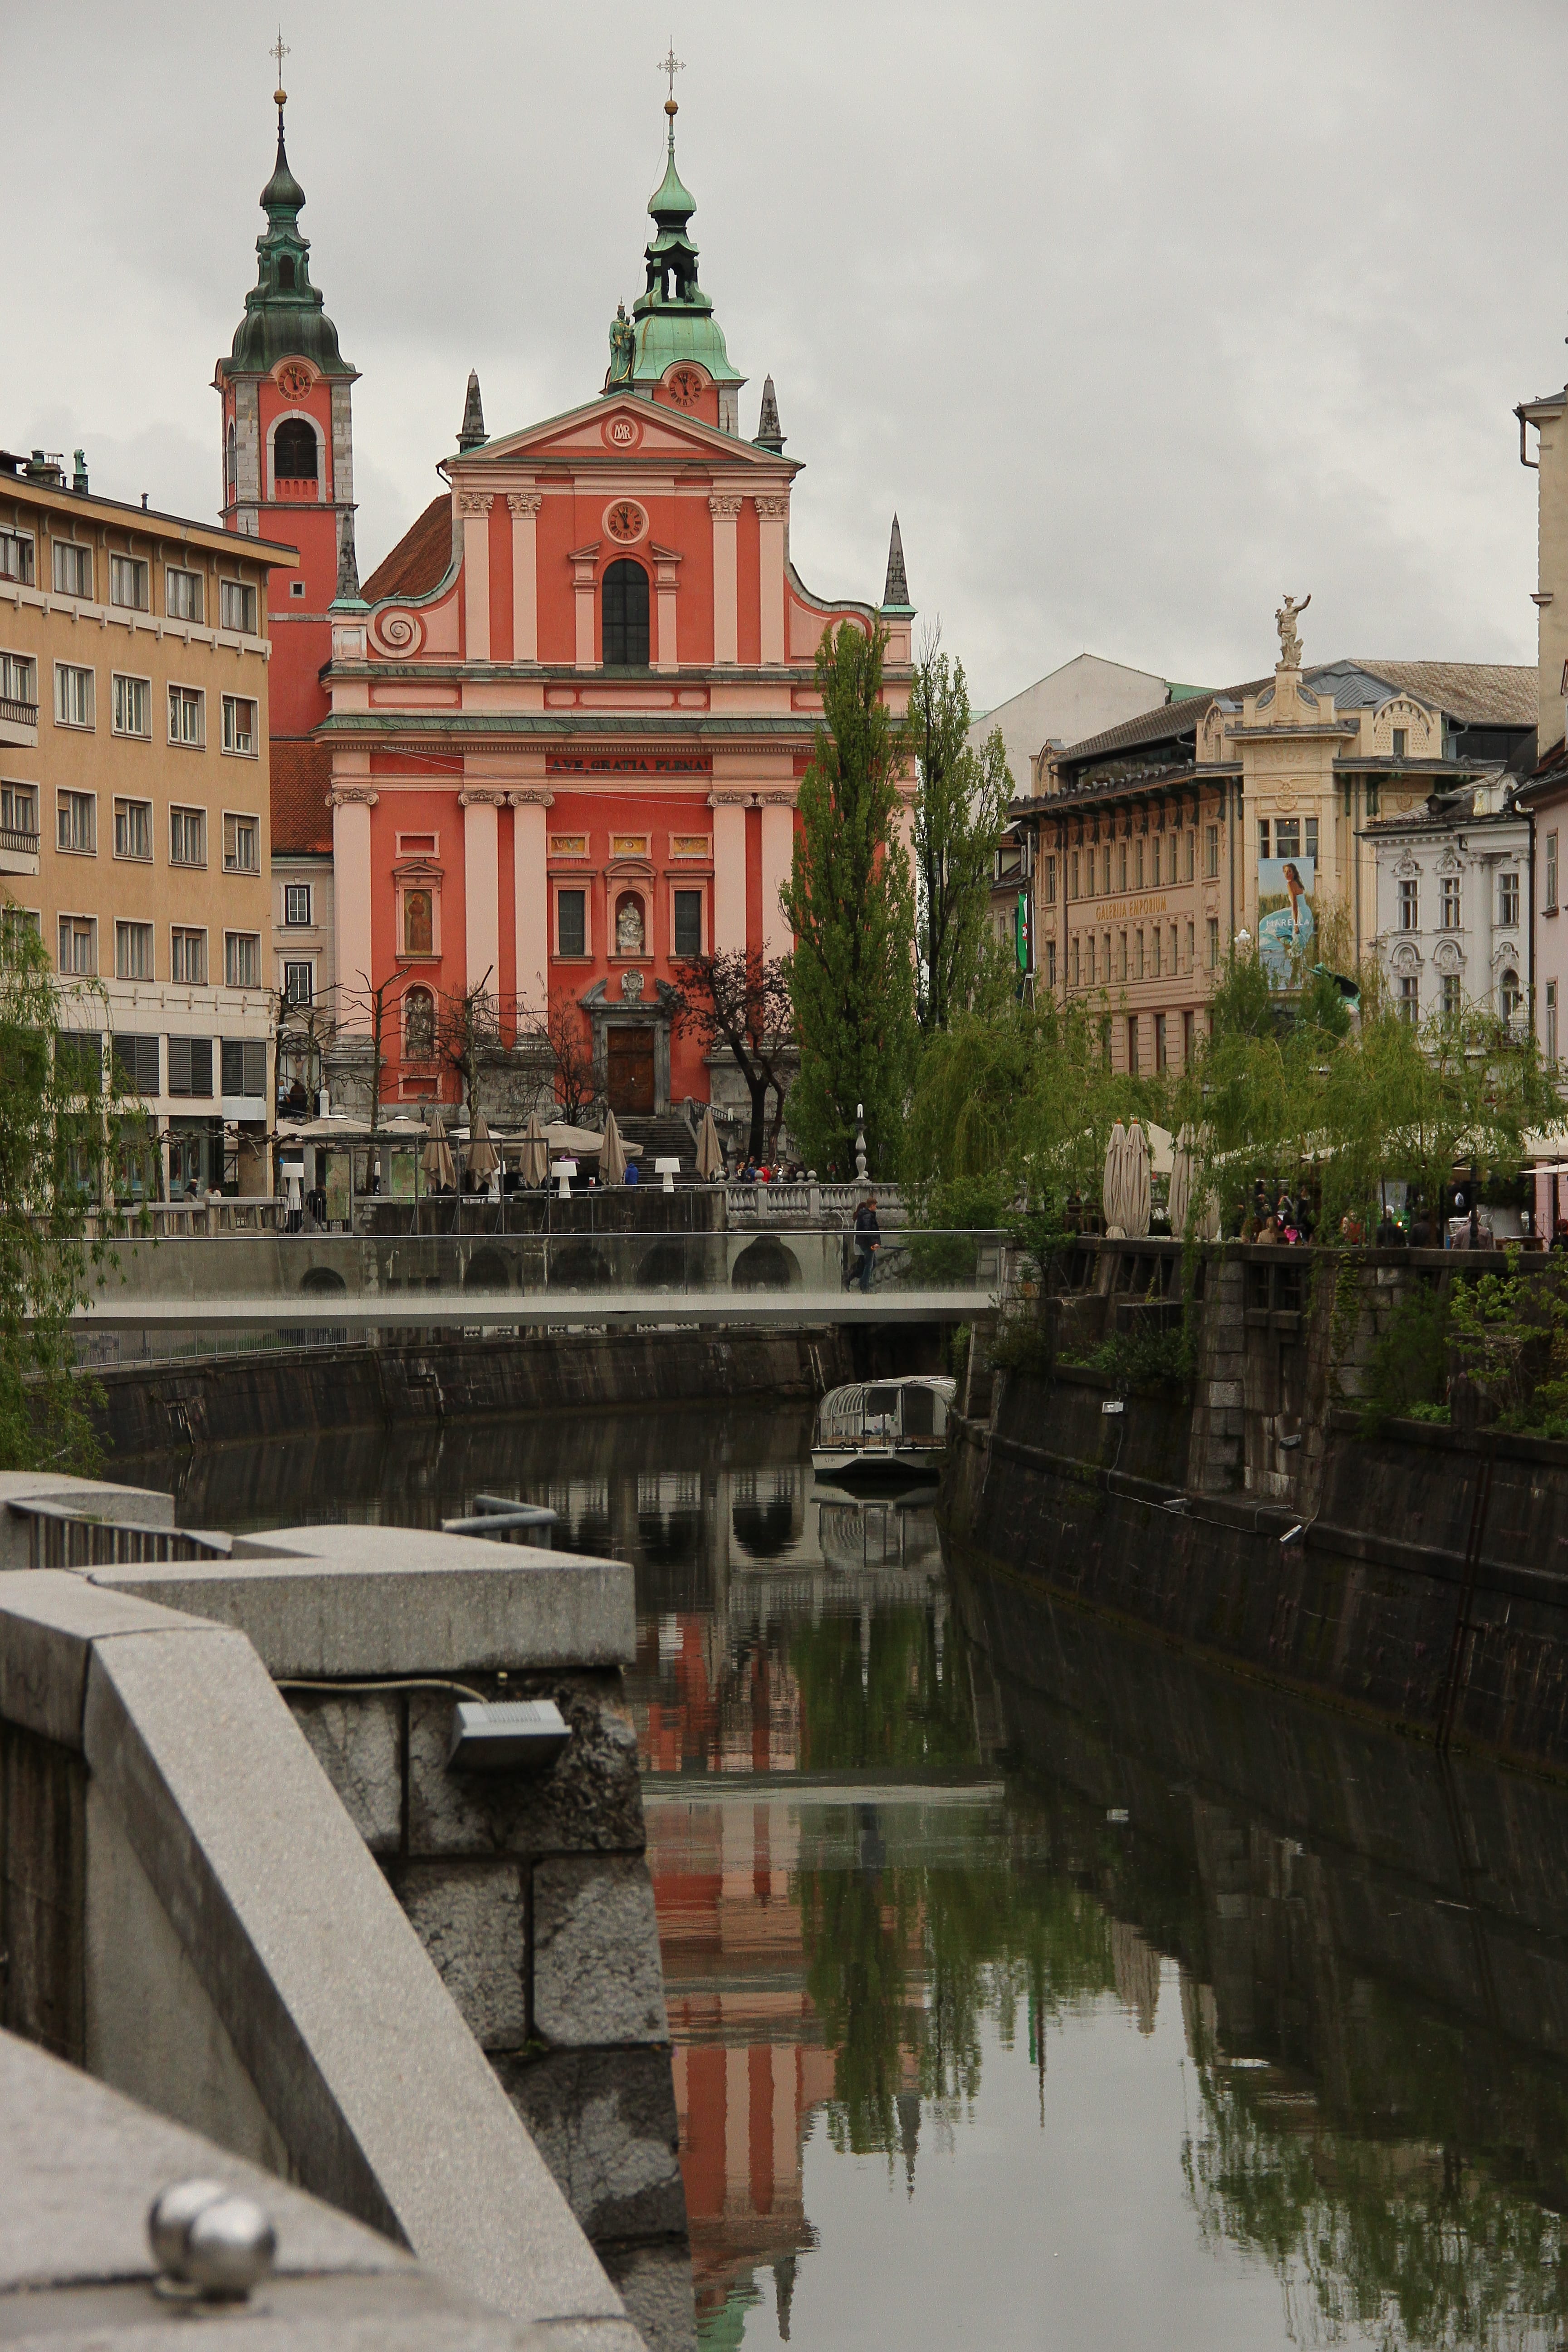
(1454, 902)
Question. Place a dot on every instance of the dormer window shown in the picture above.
(286, 273)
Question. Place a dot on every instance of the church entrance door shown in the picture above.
(630, 1069)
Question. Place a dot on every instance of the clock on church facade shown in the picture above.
(560, 731)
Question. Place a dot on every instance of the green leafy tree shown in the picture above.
(960, 809)
(851, 908)
(65, 1122)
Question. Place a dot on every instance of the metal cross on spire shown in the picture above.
(669, 67)
(279, 50)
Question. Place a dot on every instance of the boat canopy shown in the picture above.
(914, 1406)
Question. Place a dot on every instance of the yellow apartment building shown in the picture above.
(135, 800)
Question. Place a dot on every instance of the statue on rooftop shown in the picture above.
(623, 348)
(1285, 618)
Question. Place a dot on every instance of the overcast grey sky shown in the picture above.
(1139, 312)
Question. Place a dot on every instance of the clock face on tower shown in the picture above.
(685, 386)
(294, 378)
(625, 521)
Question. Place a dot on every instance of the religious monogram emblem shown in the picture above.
(626, 521)
(685, 386)
(294, 378)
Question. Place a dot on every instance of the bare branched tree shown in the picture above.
(740, 999)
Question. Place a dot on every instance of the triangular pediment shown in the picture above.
(622, 427)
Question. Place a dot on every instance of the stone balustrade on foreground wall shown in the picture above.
(241, 1884)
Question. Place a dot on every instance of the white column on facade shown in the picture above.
(583, 560)
(729, 869)
(531, 893)
(725, 509)
(667, 580)
(778, 860)
(481, 887)
(474, 508)
(352, 805)
(773, 521)
(524, 507)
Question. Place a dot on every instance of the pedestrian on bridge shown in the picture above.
(868, 1242)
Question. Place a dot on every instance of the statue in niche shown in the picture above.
(623, 348)
(630, 934)
(1285, 619)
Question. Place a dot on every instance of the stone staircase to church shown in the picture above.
(667, 1137)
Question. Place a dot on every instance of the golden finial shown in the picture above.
(279, 50)
(670, 66)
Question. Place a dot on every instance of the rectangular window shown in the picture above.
(132, 951)
(1211, 851)
(1451, 999)
(1409, 999)
(1050, 964)
(191, 1066)
(136, 1062)
(1132, 1046)
(1138, 860)
(239, 724)
(187, 716)
(1552, 873)
(73, 695)
(182, 594)
(16, 557)
(1410, 905)
(1073, 891)
(78, 946)
(19, 815)
(1091, 975)
(1050, 881)
(1311, 831)
(79, 1060)
(1508, 898)
(1373, 796)
(1154, 952)
(1401, 743)
(1192, 935)
(76, 822)
(1122, 973)
(1263, 836)
(296, 903)
(1192, 857)
(132, 706)
(1137, 956)
(73, 570)
(1450, 902)
(1075, 962)
(187, 836)
(244, 1066)
(1154, 855)
(687, 923)
(570, 922)
(1159, 1041)
(241, 843)
(299, 983)
(242, 959)
(1287, 836)
(17, 923)
(1213, 942)
(128, 577)
(236, 606)
(188, 956)
(1551, 1020)
(19, 684)
(134, 829)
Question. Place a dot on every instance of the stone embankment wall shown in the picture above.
(282, 1392)
(1420, 1576)
(241, 1881)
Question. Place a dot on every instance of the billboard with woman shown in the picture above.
(1285, 921)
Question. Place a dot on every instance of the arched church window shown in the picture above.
(418, 1026)
(294, 451)
(286, 273)
(625, 616)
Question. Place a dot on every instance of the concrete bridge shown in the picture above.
(349, 1285)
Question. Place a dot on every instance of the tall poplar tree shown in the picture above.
(959, 810)
(850, 905)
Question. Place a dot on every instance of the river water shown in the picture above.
(1032, 1989)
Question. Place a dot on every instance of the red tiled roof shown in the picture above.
(301, 779)
(419, 560)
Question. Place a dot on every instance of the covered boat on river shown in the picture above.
(880, 1429)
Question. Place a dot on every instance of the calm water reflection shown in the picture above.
(1034, 1989)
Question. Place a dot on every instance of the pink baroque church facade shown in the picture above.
(552, 749)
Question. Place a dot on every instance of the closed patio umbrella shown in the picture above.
(440, 1169)
(1112, 1194)
(709, 1157)
(612, 1153)
(535, 1151)
(1135, 1198)
(483, 1158)
(1181, 1180)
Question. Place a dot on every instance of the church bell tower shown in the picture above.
(287, 445)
